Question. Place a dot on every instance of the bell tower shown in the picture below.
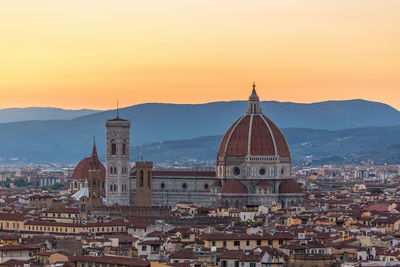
(117, 161)
(94, 181)
(93, 201)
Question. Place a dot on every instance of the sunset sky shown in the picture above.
(87, 54)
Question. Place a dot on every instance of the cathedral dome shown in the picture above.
(289, 187)
(233, 187)
(81, 171)
(253, 134)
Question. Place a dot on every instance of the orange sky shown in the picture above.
(88, 54)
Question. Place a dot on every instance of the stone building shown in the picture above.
(117, 161)
(93, 200)
(254, 162)
(253, 168)
(172, 186)
(143, 184)
(80, 175)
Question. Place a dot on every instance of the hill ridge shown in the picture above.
(69, 140)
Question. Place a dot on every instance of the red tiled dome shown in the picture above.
(289, 187)
(233, 187)
(81, 170)
(255, 135)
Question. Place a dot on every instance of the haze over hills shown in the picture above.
(41, 113)
(378, 144)
(70, 140)
(329, 115)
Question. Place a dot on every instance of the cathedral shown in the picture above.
(253, 168)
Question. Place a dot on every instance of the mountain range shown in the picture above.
(328, 125)
(308, 146)
(41, 113)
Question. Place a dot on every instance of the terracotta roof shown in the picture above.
(266, 139)
(233, 187)
(263, 184)
(377, 207)
(183, 254)
(81, 170)
(137, 223)
(62, 210)
(289, 187)
(12, 217)
(111, 260)
(151, 242)
(37, 196)
(229, 236)
(20, 247)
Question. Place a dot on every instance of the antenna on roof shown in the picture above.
(117, 110)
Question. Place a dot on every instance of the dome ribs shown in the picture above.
(253, 134)
(261, 139)
(81, 171)
(280, 140)
(238, 143)
(223, 144)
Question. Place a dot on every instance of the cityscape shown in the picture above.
(201, 165)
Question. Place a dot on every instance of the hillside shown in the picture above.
(70, 140)
(159, 122)
(41, 113)
(308, 146)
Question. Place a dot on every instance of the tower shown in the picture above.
(94, 181)
(144, 174)
(117, 161)
(93, 201)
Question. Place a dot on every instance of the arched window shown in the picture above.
(148, 179)
(113, 148)
(124, 148)
(111, 187)
(141, 178)
(113, 170)
(115, 188)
